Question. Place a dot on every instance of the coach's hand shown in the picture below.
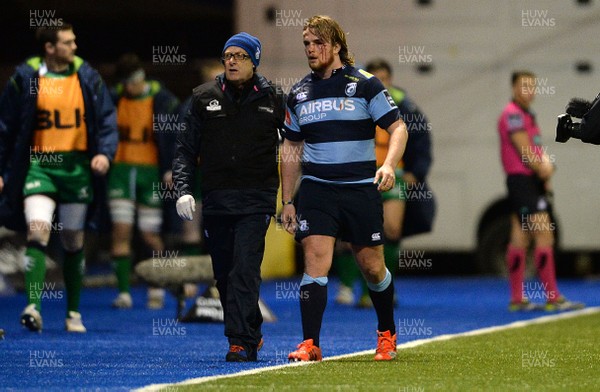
(186, 205)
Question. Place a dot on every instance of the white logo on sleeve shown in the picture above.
(376, 236)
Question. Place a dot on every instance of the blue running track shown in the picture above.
(127, 349)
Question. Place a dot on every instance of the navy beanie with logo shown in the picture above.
(247, 42)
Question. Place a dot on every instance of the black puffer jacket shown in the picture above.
(234, 137)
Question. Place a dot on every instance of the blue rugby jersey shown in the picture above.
(336, 119)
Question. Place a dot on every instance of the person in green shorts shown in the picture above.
(410, 180)
(58, 133)
(141, 177)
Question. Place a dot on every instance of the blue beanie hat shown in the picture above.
(247, 42)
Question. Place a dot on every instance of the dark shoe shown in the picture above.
(260, 344)
(239, 354)
(236, 354)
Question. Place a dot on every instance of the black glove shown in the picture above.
(577, 107)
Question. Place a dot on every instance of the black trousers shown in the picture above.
(236, 244)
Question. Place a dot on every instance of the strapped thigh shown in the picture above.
(39, 208)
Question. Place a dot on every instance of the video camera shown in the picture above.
(566, 127)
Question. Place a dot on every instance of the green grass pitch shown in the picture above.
(561, 355)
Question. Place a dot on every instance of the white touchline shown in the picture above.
(411, 344)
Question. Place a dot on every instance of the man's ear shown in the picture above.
(337, 48)
(49, 48)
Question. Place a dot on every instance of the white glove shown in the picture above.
(186, 205)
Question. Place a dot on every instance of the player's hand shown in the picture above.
(386, 177)
(1, 184)
(168, 177)
(186, 205)
(288, 218)
(100, 164)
